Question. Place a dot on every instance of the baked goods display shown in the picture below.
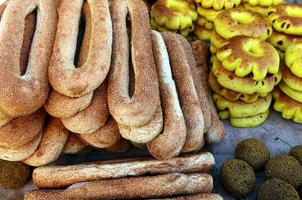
(93, 74)
(185, 175)
(245, 71)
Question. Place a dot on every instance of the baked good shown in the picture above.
(24, 94)
(73, 145)
(62, 72)
(62, 176)
(218, 4)
(293, 58)
(244, 84)
(245, 55)
(234, 22)
(173, 14)
(187, 93)
(138, 109)
(51, 145)
(93, 117)
(135, 187)
(290, 108)
(286, 18)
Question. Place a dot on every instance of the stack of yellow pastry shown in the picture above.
(288, 96)
(245, 71)
(207, 12)
(286, 20)
(238, 21)
(260, 6)
(176, 16)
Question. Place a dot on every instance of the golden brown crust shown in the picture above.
(62, 72)
(173, 136)
(186, 92)
(216, 132)
(232, 95)
(25, 94)
(73, 145)
(200, 89)
(104, 137)
(138, 109)
(52, 144)
(146, 132)
(120, 146)
(22, 130)
(93, 117)
(62, 176)
(61, 106)
(135, 187)
(21, 152)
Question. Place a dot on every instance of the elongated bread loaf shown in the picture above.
(130, 188)
(60, 176)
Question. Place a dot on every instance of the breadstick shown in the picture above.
(104, 137)
(24, 94)
(138, 109)
(52, 144)
(130, 188)
(61, 176)
(93, 117)
(22, 130)
(61, 106)
(186, 92)
(170, 142)
(216, 132)
(200, 89)
(73, 145)
(205, 196)
(64, 77)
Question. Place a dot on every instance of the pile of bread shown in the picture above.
(180, 178)
(247, 67)
(129, 84)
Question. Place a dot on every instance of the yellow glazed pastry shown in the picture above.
(294, 94)
(201, 21)
(291, 80)
(265, 3)
(217, 40)
(283, 41)
(232, 95)
(219, 4)
(213, 49)
(246, 55)
(258, 9)
(241, 109)
(244, 85)
(185, 32)
(230, 23)
(208, 13)
(293, 58)
(202, 33)
(249, 122)
(173, 14)
(289, 108)
(286, 18)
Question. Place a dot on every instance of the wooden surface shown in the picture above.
(278, 134)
